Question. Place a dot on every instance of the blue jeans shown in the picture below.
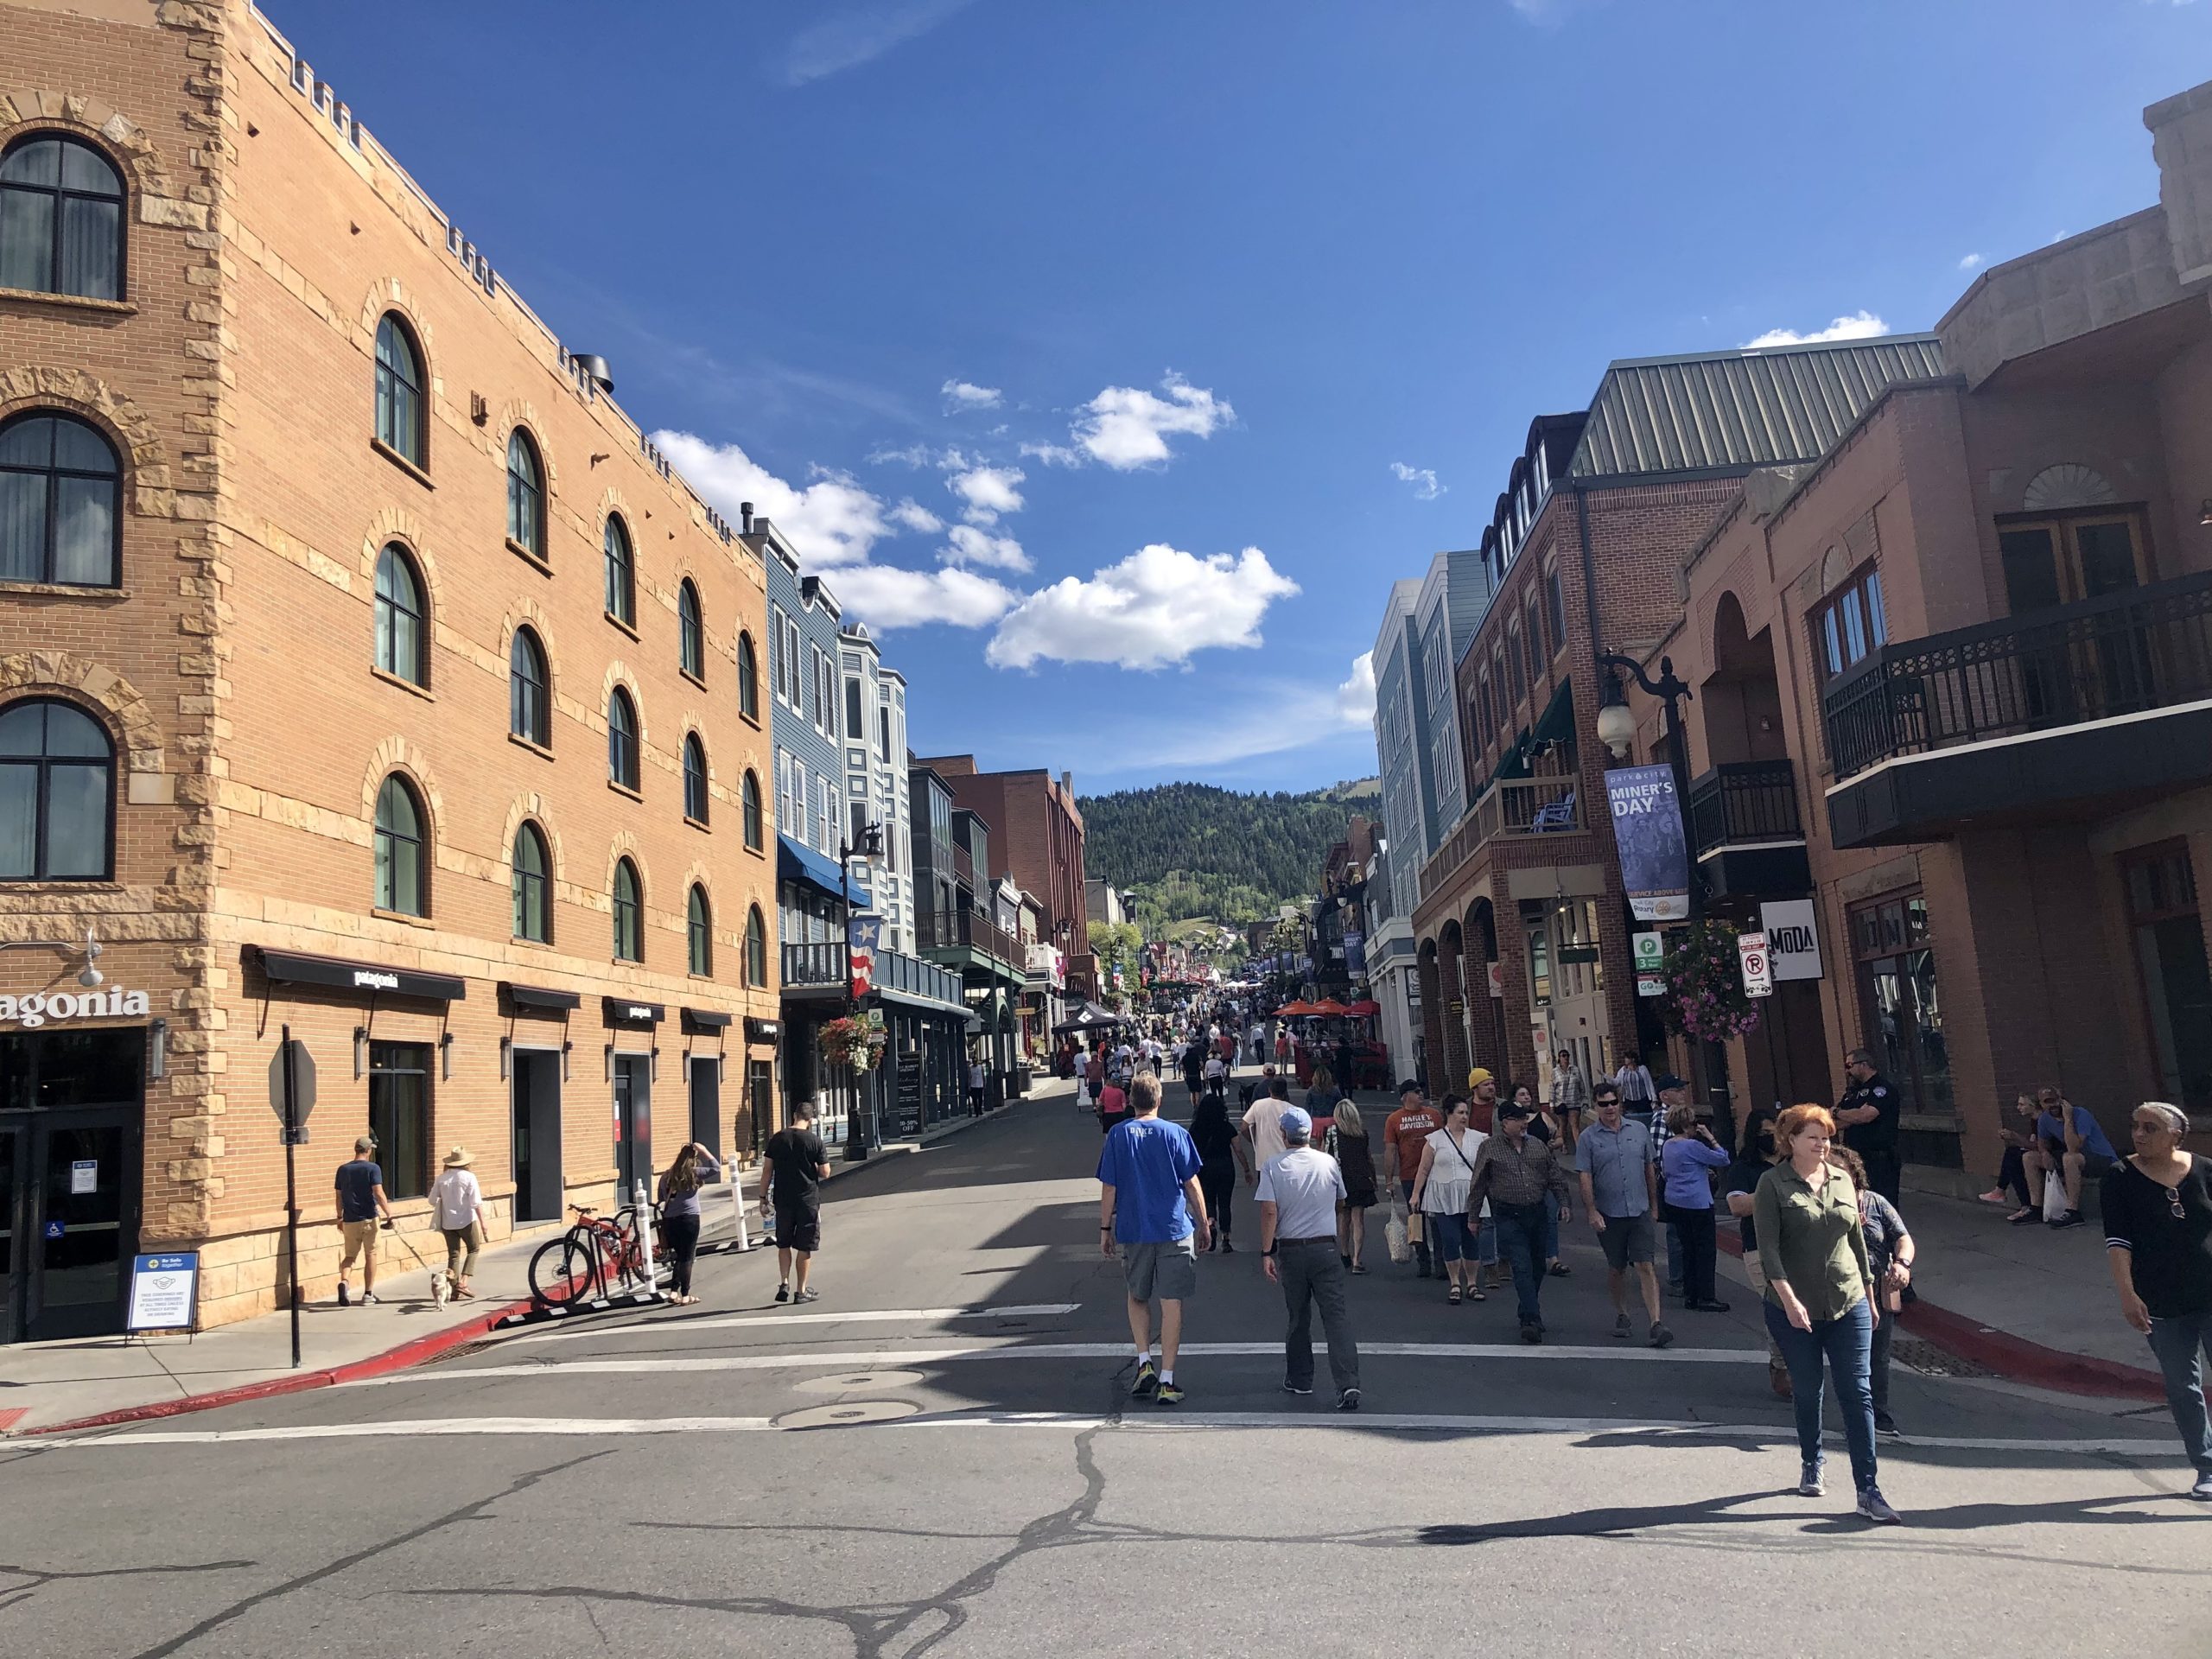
(1485, 1247)
(2180, 1344)
(1448, 1234)
(1674, 1255)
(1847, 1344)
(1521, 1237)
(1551, 1227)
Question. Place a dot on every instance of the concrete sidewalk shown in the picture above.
(47, 1385)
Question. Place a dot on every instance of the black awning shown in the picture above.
(620, 1011)
(287, 968)
(763, 1031)
(536, 998)
(702, 1020)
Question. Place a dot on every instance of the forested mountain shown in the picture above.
(1191, 850)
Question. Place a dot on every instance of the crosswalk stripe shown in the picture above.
(793, 1321)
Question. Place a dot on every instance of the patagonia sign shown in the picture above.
(40, 1006)
(373, 979)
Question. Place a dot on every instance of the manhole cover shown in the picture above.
(858, 1382)
(1923, 1355)
(850, 1414)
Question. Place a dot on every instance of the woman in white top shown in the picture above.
(457, 1203)
(1448, 1170)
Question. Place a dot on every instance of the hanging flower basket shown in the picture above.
(1704, 997)
(851, 1042)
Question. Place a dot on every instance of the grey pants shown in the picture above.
(1312, 1272)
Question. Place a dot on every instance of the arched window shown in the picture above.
(60, 503)
(698, 932)
(621, 574)
(756, 948)
(530, 690)
(57, 794)
(399, 390)
(695, 779)
(533, 914)
(400, 616)
(622, 738)
(399, 850)
(526, 493)
(756, 836)
(60, 218)
(629, 914)
(748, 678)
(691, 633)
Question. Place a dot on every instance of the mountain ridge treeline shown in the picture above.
(1197, 849)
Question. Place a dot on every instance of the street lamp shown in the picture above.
(857, 1131)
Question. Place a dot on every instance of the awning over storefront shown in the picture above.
(697, 1021)
(538, 1000)
(797, 861)
(909, 1000)
(770, 1032)
(285, 967)
(621, 1011)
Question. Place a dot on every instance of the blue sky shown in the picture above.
(1116, 358)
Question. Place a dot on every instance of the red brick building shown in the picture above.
(1037, 832)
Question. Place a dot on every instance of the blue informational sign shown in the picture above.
(1647, 830)
(164, 1292)
(54, 1229)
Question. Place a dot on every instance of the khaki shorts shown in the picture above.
(360, 1236)
(1168, 1271)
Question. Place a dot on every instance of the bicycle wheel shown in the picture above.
(565, 1270)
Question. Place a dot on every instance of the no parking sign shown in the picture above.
(1758, 966)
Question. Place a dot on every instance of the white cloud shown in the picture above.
(832, 520)
(1356, 694)
(969, 545)
(915, 455)
(966, 394)
(1860, 325)
(1972, 262)
(1157, 607)
(1125, 427)
(857, 36)
(886, 597)
(1053, 454)
(1423, 479)
(911, 514)
(988, 492)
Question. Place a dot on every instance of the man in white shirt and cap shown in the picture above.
(1299, 1194)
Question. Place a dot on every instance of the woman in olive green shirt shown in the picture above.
(1818, 1306)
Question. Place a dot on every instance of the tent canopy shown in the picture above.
(1089, 1016)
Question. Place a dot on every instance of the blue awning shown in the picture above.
(796, 862)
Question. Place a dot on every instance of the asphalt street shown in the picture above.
(941, 1457)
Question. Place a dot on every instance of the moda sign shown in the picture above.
(40, 1006)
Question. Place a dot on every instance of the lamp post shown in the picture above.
(857, 1130)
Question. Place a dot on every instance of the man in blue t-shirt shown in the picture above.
(360, 1196)
(1151, 1211)
(2070, 1141)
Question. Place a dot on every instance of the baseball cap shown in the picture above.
(1296, 1121)
(1511, 1108)
(1670, 1081)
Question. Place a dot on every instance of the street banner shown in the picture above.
(1793, 939)
(1356, 954)
(1647, 830)
(863, 934)
(1758, 971)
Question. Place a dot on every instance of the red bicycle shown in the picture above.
(595, 1258)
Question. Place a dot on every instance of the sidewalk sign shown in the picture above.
(1758, 967)
(164, 1293)
(1651, 955)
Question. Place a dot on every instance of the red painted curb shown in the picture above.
(413, 1352)
(2015, 1358)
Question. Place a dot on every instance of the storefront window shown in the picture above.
(2170, 962)
(1899, 1000)
(399, 1117)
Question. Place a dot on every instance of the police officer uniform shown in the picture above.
(1876, 1142)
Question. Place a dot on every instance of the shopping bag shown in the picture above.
(2054, 1198)
(1394, 1233)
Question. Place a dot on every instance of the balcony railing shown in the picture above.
(824, 964)
(1745, 801)
(963, 867)
(964, 929)
(1509, 807)
(2127, 652)
(814, 965)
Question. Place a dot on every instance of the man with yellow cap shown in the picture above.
(1482, 1113)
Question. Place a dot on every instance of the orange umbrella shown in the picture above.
(1291, 1010)
(1366, 1009)
(1329, 1005)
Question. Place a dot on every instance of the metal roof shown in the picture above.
(1742, 408)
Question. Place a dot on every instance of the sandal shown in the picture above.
(1358, 1267)
(1478, 1296)
(1453, 1298)
(1560, 1269)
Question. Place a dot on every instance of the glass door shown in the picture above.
(84, 1224)
(633, 1152)
(12, 1199)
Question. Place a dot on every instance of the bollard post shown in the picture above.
(642, 1206)
(737, 1201)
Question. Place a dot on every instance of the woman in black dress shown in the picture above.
(1348, 1144)
(1215, 1136)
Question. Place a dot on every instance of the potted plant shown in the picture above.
(1706, 999)
(852, 1042)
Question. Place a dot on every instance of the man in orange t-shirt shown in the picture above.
(1404, 1134)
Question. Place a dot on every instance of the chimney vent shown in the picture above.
(595, 367)
(745, 516)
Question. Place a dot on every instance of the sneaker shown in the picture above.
(1872, 1506)
(1298, 1388)
(2024, 1218)
(1227, 1248)
(1885, 1424)
(1995, 1195)
(1169, 1394)
(1708, 1306)
(783, 1292)
(1808, 1481)
(1147, 1380)
(344, 1299)
(810, 1294)
(1620, 1327)
(1348, 1401)
(1532, 1332)
(2071, 1218)
(2202, 1490)
(1661, 1335)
